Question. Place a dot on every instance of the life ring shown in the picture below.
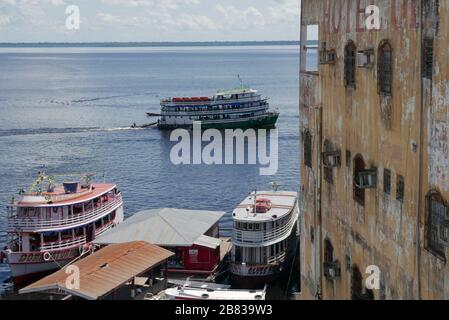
(46, 256)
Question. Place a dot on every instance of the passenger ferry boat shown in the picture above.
(263, 233)
(238, 108)
(48, 229)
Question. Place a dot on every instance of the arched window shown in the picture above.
(350, 64)
(436, 220)
(307, 149)
(328, 176)
(385, 68)
(359, 193)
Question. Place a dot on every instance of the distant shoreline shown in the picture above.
(144, 44)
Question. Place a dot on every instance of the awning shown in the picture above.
(105, 271)
(208, 242)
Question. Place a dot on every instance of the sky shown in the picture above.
(149, 20)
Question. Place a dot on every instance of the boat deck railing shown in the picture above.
(253, 269)
(58, 245)
(260, 107)
(33, 224)
(211, 102)
(257, 238)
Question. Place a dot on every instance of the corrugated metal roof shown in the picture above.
(208, 242)
(105, 270)
(164, 227)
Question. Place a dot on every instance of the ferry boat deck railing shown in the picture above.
(35, 223)
(264, 236)
(104, 228)
(212, 102)
(253, 269)
(277, 258)
(57, 245)
(261, 107)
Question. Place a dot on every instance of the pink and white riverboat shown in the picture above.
(47, 230)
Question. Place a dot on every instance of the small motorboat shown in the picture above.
(191, 293)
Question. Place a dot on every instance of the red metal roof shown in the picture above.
(105, 270)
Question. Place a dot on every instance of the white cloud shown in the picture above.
(192, 22)
(234, 18)
(5, 20)
(165, 4)
(285, 11)
(105, 20)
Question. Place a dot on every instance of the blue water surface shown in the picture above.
(68, 110)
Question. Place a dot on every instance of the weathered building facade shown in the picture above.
(375, 135)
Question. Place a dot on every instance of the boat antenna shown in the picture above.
(275, 185)
(241, 81)
(255, 201)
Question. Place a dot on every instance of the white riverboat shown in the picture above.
(237, 108)
(50, 226)
(263, 233)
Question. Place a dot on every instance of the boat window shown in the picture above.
(50, 237)
(79, 232)
(66, 234)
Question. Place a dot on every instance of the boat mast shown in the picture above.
(241, 82)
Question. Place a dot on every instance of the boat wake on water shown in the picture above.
(23, 132)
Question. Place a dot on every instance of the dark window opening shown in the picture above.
(428, 58)
(385, 69)
(331, 267)
(307, 149)
(356, 283)
(359, 193)
(350, 64)
(357, 292)
(400, 186)
(328, 174)
(312, 234)
(437, 215)
(328, 251)
(387, 181)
